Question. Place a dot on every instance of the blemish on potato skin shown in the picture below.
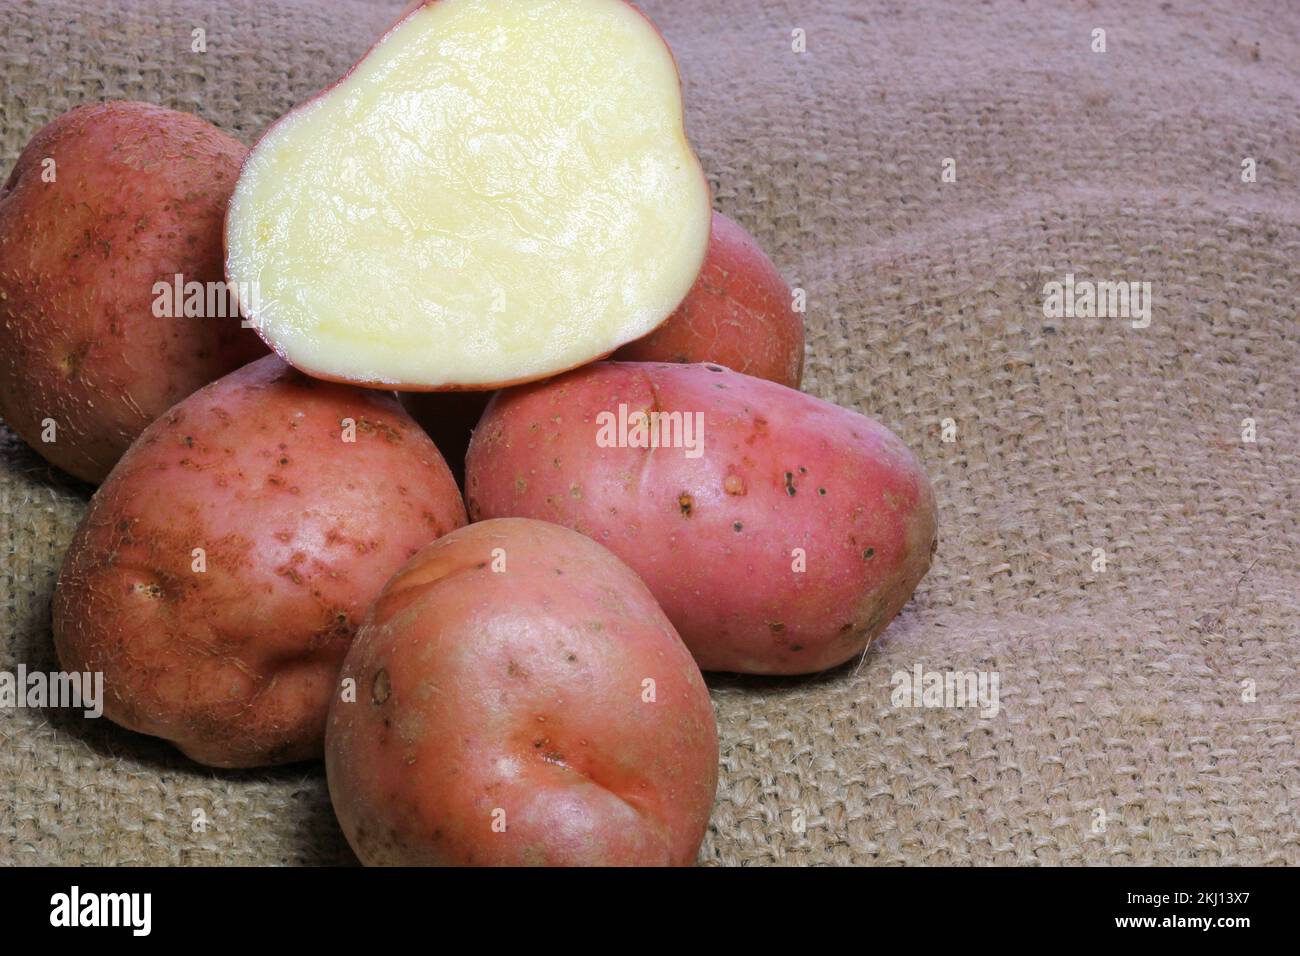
(737, 527)
(381, 688)
(789, 483)
(733, 484)
(685, 504)
(386, 431)
(868, 554)
(776, 627)
(71, 363)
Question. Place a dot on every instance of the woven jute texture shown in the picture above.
(1148, 711)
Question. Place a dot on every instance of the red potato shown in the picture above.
(739, 314)
(495, 193)
(304, 497)
(521, 699)
(105, 202)
(780, 539)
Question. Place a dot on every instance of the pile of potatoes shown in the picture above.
(487, 610)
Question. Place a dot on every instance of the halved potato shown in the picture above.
(497, 192)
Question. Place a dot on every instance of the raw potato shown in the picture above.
(497, 192)
(232, 652)
(521, 699)
(138, 195)
(739, 313)
(780, 545)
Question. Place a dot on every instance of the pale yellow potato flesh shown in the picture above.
(501, 190)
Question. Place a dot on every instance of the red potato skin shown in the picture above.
(403, 387)
(713, 537)
(140, 195)
(520, 693)
(236, 664)
(738, 314)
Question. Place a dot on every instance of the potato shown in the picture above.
(495, 193)
(739, 313)
(520, 699)
(105, 202)
(780, 533)
(222, 569)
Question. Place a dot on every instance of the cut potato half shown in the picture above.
(499, 191)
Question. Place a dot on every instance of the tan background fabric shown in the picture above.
(1121, 691)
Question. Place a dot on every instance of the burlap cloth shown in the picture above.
(1122, 736)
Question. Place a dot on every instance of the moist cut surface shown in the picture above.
(496, 192)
